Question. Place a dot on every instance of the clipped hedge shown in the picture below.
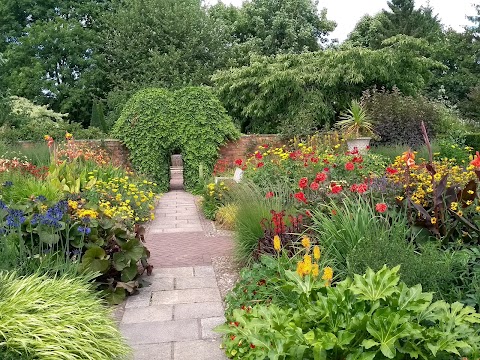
(156, 123)
(55, 319)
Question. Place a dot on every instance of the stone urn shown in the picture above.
(362, 144)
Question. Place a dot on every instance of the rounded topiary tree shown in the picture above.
(155, 122)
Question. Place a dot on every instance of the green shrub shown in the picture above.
(155, 122)
(357, 238)
(473, 140)
(373, 316)
(98, 117)
(55, 318)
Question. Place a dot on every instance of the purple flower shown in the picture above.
(84, 230)
(15, 218)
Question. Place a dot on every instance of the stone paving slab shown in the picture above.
(196, 283)
(148, 314)
(198, 350)
(155, 332)
(209, 324)
(198, 310)
(161, 351)
(185, 296)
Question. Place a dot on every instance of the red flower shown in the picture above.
(314, 186)
(334, 212)
(269, 194)
(320, 177)
(336, 189)
(314, 160)
(391, 170)
(252, 346)
(349, 166)
(258, 155)
(308, 213)
(300, 196)
(361, 188)
(325, 161)
(353, 188)
(326, 169)
(357, 159)
(232, 337)
(303, 183)
(238, 162)
(260, 164)
(265, 146)
(381, 207)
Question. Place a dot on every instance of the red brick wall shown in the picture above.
(239, 149)
(246, 145)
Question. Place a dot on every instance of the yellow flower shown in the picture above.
(315, 270)
(327, 274)
(300, 268)
(460, 213)
(433, 220)
(72, 205)
(316, 252)
(82, 213)
(152, 216)
(306, 242)
(470, 192)
(454, 206)
(276, 243)
(469, 202)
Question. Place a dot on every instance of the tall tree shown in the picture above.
(400, 18)
(270, 27)
(51, 53)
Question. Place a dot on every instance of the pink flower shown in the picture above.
(381, 207)
(314, 186)
(269, 194)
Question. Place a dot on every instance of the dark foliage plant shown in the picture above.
(397, 117)
(156, 122)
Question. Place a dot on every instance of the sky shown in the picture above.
(346, 13)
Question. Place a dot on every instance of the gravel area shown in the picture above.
(226, 272)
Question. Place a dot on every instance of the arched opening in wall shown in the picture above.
(176, 170)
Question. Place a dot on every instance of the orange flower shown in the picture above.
(409, 158)
(476, 161)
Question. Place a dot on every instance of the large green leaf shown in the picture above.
(133, 250)
(375, 286)
(130, 272)
(95, 260)
(48, 237)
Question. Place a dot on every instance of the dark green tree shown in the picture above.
(270, 27)
(401, 18)
(51, 52)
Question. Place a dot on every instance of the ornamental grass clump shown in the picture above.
(55, 318)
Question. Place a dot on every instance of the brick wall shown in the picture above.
(239, 149)
(247, 144)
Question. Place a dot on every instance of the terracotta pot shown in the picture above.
(361, 144)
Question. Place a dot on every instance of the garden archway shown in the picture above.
(155, 122)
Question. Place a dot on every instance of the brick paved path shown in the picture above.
(173, 318)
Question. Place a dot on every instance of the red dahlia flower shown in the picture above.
(303, 183)
(314, 186)
(349, 166)
(381, 207)
(300, 196)
(336, 189)
(321, 177)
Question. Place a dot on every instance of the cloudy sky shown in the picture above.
(347, 12)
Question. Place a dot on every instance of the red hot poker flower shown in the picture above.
(303, 183)
(381, 207)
